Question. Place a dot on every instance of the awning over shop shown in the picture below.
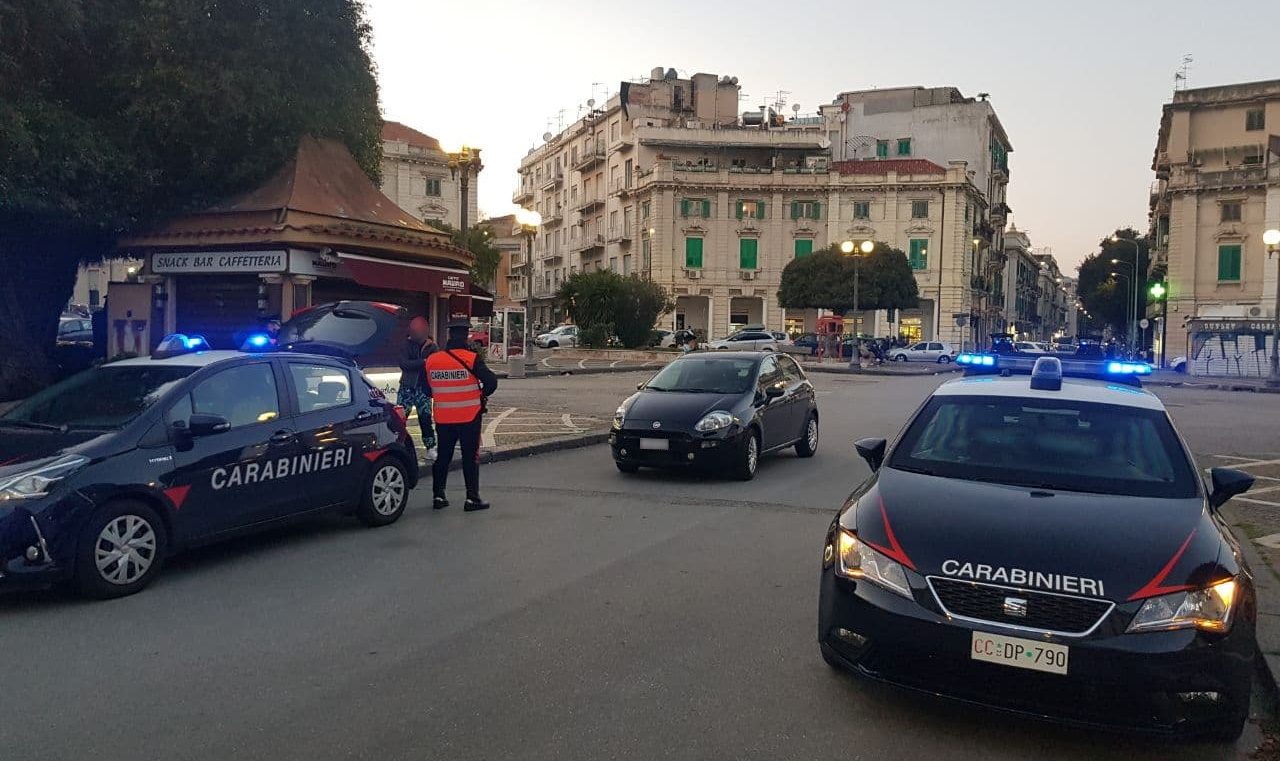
(481, 302)
(407, 276)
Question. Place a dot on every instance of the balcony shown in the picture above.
(553, 254)
(554, 181)
(593, 155)
(552, 218)
(620, 188)
(522, 196)
(1233, 178)
(591, 242)
(624, 143)
(590, 204)
(619, 234)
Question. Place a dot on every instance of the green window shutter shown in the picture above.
(882, 149)
(759, 209)
(815, 211)
(693, 253)
(795, 209)
(904, 146)
(684, 207)
(804, 247)
(748, 253)
(737, 209)
(706, 209)
(918, 254)
(1229, 263)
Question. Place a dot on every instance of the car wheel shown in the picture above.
(807, 446)
(944, 359)
(627, 467)
(121, 550)
(900, 358)
(748, 457)
(386, 493)
(553, 345)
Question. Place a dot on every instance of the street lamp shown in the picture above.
(465, 160)
(529, 220)
(1159, 293)
(1133, 325)
(1129, 284)
(1271, 238)
(857, 250)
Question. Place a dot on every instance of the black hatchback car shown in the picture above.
(720, 411)
(104, 475)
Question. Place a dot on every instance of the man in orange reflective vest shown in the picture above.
(459, 382)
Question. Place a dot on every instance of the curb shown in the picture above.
(1214, 386)
(546, 372)
(836, 369)
(527, 450)
(1267, 585)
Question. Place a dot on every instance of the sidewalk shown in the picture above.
(1170, 378)
(511, 432)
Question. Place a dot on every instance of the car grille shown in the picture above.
(1062, 614)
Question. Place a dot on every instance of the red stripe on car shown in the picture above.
(177, 495)
(1155, 588)
(373, 455)
(894, 550)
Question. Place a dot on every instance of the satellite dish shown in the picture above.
(591, 102)
(546, 136)
(795, 108)
(856, 146)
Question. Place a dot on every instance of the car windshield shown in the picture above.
(714, 375)
(1050, 444)
(104, 398)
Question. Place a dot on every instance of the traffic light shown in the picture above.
(1158, 291)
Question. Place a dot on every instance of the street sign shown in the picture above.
(1144, 323)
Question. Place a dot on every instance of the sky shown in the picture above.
(1078, 86)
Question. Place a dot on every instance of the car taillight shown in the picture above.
(401, 417)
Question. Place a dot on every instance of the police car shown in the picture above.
(106, 474)
(1045, 545)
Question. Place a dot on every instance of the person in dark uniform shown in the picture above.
(459, 383)
(414, 393)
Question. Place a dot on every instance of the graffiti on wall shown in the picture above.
(1230, 348)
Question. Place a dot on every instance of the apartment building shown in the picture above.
(1217, 189)
(1023, 286)
(416, 175)
(1052, 305)
(508, 286)
(669, 181)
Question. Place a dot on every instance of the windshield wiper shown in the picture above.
(34, 426)
(656, 388)
(920, 471)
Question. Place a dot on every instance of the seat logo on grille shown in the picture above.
(657, 424)
(1015, 607)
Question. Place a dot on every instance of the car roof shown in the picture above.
(199, 359)
(1073, 390)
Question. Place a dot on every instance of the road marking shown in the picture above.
(582, 364)
(546, 361)
(614, 363)
(1256, 501)
(1264, 491)
(1248, 462)
(487, 437)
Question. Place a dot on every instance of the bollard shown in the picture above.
(515, 367)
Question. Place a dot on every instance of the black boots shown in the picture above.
(439, 502)
(475, 503)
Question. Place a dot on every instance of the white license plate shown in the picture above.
(1019, 653)
(660, 444)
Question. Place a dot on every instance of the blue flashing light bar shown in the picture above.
(1123, 371)
(176, 344)
(976, 360)
(1128, 368)
(259, 340)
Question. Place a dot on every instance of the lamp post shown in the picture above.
(462, 163)
(1160, 293)
(529, 221)
(1271, 238)
(849, 248)
(1128, 310)
(1133, 325)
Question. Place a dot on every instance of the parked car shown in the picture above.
(479, 336)
(806, 341)
(1028, 347)
(662, 339)
(747, 339)
(75, 330)
(925, 351)
(565, 335)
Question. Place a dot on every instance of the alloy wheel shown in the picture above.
(811, 435)
(388, 490)
(125, 549)
(753, 454)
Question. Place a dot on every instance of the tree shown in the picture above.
(604, 302)
(117, 115)
(1106, 298)
(479, 241)
(824, 280)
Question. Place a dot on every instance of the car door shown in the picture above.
(918, 351)
(799, 393)
(774, 414)
(333, 434)
(242, 475)
(934, 351)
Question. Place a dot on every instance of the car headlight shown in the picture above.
(1208, 609)
(855, 560)
(714, 421)
(36, 483)
(618, 415)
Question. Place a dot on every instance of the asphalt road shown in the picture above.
(589, 615)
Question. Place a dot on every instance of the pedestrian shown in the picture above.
(414, 393)
(460, 384)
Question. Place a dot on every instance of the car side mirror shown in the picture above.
(206, 425)
(871, 450)
(1228, 483)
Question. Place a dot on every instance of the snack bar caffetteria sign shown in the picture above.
(199, 262)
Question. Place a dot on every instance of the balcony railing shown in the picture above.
(552, 218)
(1230, 178)
(593, 155)
(589, 242)
(621, 187)
(620, 234)
(624, 143)
(522, 196)
(554, 181)
(588, 204)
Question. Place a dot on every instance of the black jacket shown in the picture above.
(488, 381)
(413, 371)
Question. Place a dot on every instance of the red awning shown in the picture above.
(405, 276)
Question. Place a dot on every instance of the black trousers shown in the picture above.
(447, 436)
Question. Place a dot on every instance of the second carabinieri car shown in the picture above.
(1045, 545)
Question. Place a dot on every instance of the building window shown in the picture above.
(749, 210)
(1231, 211)
(693, 253)
(695, 207)
(1255, 119)
(862, 210)
(918, 255)
(804, 247)
(433, 187)
(806, 210)
(644, 210)
(1229, 264)
(904, 146)
(626, 264)
(919, 209)
(882, 149)
(748, 254)
(646, 254)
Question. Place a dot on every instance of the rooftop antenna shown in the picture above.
(560, 120)
(1182, 76)
(780, 99)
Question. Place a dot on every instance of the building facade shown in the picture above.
(416, 175)
(668, 181)
(1022, 291)
(509, 283)
(93, 279)
(1052, 306)
(1217, 189)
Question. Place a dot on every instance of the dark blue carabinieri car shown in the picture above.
(106, 474)
(1045, 545)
